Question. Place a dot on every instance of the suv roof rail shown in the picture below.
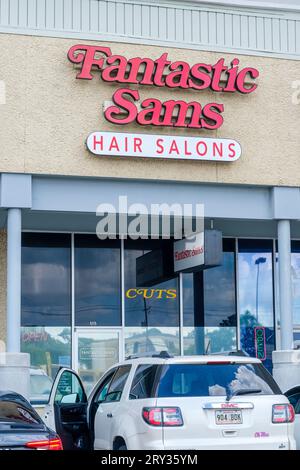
(161, 354)
(239, 352)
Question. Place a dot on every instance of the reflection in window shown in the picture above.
(256, 282)
(97, 282)
(69, 389)
(143, 382)
(97, 351)
(295, 259)
(49, 349)
(296, 337)
(196, 380)
(144, 340)
(209, 302)
(117, 384)
(46, 279)
(256, 295)
(209, 340)
(295, 278)
(219, 293)
(102, 391)
(151, 299)
(18, 413)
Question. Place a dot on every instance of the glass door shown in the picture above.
(95, 350)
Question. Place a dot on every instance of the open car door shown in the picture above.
(66, 412)
(294, 398)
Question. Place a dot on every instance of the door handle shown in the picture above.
(109, 415)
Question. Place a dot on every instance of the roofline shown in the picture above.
(246, 4)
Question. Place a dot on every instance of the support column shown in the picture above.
(286, 361)
(285, 286)
(14, 228)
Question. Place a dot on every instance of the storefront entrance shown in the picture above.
(88, 303)
(94, 351)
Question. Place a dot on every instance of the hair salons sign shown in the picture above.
(127, 106)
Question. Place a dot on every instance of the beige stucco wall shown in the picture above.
(49, 114)
(2, 285)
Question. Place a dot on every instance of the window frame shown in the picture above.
(109, 375)
(157, 373)
(83, 398)
(120, 392)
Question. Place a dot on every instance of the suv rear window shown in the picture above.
(201, 380)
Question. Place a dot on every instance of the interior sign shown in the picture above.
(151, 293)
(163, 146)
(260, 342)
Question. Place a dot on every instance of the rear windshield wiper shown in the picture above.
(243, 391)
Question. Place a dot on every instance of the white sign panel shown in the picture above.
(189, 254)
(118, 144)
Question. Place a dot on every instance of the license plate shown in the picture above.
(229, 417)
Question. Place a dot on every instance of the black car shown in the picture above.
(21, 428)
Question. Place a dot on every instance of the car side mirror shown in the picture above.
(71, 398)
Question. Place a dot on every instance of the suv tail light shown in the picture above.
(283, 413)
(47, 444)
(164, 416)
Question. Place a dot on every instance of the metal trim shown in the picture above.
(228, 406)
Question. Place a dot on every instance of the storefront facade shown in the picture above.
(68, 297)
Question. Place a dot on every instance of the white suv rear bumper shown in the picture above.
(136, 443)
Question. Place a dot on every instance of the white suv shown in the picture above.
(163, 402)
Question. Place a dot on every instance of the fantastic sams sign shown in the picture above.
(127, 107)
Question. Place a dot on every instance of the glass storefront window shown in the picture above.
(296, 336)
(219, 290)
(209, 303)
(49, 349)
(151, 303)
(255, 260)
(256, 281)
(295, 260)
(151, 300)
(46, 279)
(97, 350)
(97, 281)
(295, 278)
(153, 339)
(209, 340)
